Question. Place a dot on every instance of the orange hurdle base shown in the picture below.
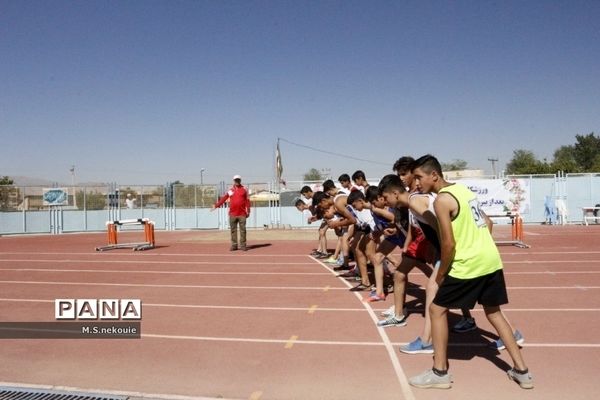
(112, 236)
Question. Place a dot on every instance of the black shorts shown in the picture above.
(488, 290)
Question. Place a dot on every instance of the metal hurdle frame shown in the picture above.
(517, 235)
(112, 235)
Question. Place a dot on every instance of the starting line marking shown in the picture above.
(312, 309)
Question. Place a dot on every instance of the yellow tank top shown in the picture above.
(476, 253)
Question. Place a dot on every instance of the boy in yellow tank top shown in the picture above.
(470, 272)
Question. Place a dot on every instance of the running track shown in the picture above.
(273, 323)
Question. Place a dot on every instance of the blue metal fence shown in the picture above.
(177, 206)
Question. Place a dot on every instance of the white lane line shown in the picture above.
(576, 287)
(400, 375)
(153, 262)
(237, 262)
(154, 254)
(258, 340)
(110, 271)
(348, 343)
(553, 262)
(305, 309)
(552, 273)
(169, 272)
(528, 253)
(171, 286)
(226, 255)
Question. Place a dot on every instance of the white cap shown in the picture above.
(237, 177)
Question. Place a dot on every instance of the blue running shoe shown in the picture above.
(499, 344)
(417, 347)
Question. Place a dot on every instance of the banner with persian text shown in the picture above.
(501, 196)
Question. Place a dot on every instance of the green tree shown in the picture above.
(456, 165)
(524, 162)
(586, 152)
(564, 160)
(94, 200)
(313, 175)
(6, 193)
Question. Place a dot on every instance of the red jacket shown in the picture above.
(239, 202)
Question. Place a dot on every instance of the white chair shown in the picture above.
(563, 211)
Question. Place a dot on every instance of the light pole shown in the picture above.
(72, 171)
(493, 161)
(202, 185)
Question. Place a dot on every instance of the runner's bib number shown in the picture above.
(477, 213)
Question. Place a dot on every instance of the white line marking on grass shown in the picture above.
(400, 375)
(171, 286)
(110, 271)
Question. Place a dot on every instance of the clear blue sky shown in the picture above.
(153, 91)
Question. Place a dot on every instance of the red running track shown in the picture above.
(274, 323)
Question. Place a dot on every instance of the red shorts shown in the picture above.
(419, 248)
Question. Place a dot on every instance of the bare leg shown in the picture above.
(439, 329)
(361, 258)
(430, 292)
(496, 318)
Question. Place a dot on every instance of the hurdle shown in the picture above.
(516, 231)
(112, 229)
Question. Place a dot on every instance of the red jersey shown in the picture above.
(239, 202)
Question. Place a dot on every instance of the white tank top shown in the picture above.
(415, 219)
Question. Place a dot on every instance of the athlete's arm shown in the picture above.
(445, 205)
(420, 205)
(488, 221)
(347, 217)
(382, 212)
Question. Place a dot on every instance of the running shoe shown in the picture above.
(524, 379)
(361, 287)
(373, 297)
(392, 321)
(344, 267)
(464, 325)
(431, 380)
(499, 344)
(331, 260)
(417, 347)
(390, 312)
